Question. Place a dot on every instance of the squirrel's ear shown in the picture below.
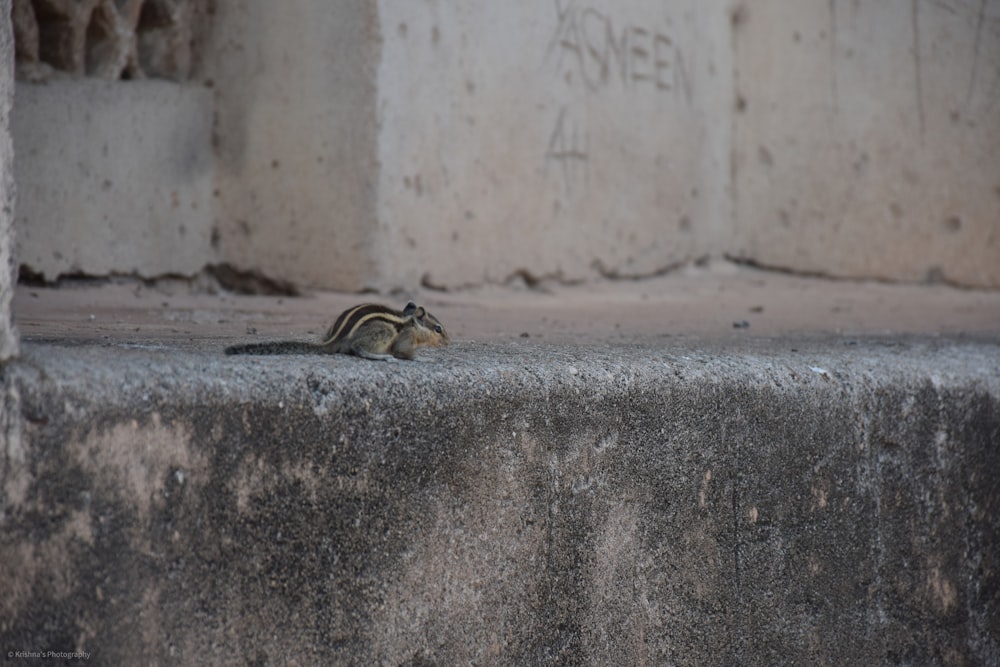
(410, 307)
(419, 313)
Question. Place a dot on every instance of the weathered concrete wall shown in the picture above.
(557, 139)
(570, 139)
(116, 177)
(295, 138)
(868, 138)
(386, 144)
(393, 143)
(8, 336)
(831, 504)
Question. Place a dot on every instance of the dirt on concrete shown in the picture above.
(721, 302)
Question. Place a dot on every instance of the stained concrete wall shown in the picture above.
(8, 336)
(295, 139)
(398, 143)
(387, 144)
(867, 138)
(557, 139)
(115, 176)
(694, 505)
(570, 139)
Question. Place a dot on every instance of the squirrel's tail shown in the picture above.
(276, 347)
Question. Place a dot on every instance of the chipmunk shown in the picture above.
(370, 331)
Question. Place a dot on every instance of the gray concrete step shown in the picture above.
(677, 500)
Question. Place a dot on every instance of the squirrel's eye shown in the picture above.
(437, 328)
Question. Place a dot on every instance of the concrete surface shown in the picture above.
(392, 144)
(719, 465)
(558, 139)
(295, 139)
(633, 492)
(681, 505)
(867, 139)
(576, 139)
(695, 303)
(8, 275)
(115, 177)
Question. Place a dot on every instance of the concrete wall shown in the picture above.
(295, 138)
(684, 507)
(387, 144)
(116, 177)
(8, 274)
(868, 138)
(557, 139)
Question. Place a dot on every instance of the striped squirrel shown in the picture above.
(370, 331)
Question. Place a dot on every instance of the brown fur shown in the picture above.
(370, 331)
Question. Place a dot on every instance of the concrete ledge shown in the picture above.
(518, 503)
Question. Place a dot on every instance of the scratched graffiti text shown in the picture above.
(591, 47)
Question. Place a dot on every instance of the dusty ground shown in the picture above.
(721, 302)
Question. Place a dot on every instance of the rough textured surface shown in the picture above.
(114, 177)
(717, 301)
(109, 39)
(8, 337)
(389, 144)
(866, 139)
(295, 139)
(519, 503)
(557, 139)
